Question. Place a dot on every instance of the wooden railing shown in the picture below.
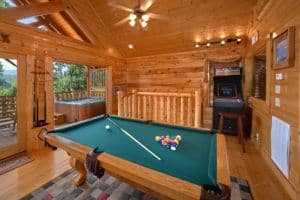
(174, 108)
(7, 107)
(69, 95)
(79, 94)
(98, 92)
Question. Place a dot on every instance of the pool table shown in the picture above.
(198, 166)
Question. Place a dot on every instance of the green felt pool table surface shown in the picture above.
(195, 159)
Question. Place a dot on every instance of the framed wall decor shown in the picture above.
(284, 49)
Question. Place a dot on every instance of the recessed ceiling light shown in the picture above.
(197, 45)
(208, 44)
(223, 42)
(130, 46)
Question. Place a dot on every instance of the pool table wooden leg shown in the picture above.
(78, 165)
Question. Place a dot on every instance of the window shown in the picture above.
(7, 4)
(259, 87)
(69, 77)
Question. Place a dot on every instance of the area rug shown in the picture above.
(110, 188)
(13, 162)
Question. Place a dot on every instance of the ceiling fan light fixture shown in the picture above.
(145, 17)
(132, 17)
(144, 23)
(132, 23)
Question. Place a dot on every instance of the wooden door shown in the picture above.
(12, 104)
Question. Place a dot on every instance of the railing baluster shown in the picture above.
(181, 110)
(155, 108)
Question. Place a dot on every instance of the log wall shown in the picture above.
(276, 16)
(41, 47)
(178, 72)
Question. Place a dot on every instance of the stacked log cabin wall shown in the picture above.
(35, 45)
(176, 72)
(277, 16)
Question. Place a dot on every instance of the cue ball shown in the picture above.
(107, 127)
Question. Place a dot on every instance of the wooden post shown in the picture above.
(139, 107)
(4, 105)
(144, 107)
(120, 103)
(181, 110)
(161, 109)
(149, 110)
(109, 89)
(133, 105)
(189, 111)
(125, 98)
(129, 105)
(155, 108)
(88, 80)
(198, 109)
(174, 110)
(168, 109)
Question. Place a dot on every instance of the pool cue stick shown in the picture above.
(134, 139)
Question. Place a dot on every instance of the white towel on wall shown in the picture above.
(280, 144)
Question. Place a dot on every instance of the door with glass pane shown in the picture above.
(12, 90)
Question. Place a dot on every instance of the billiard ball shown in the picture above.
(157, 138)
(107, 127)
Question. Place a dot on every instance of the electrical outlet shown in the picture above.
(279, 76)
(277, 89)
(277, 101)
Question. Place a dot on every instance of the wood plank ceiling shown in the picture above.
(59, 22)
(189, 21)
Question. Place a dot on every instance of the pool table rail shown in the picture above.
(146, 179)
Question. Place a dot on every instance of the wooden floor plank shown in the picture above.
(48, 164)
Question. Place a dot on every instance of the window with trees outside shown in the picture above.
(79, 92)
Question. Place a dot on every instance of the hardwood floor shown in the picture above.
(252, 167)
(47, 165)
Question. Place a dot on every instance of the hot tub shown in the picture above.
(80, 109)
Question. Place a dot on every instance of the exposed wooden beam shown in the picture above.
(45, 22)
(32, 10)
(75, 26)
(91, 37)
(82, 11)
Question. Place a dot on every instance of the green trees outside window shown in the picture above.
(69, 77)
(8, 81)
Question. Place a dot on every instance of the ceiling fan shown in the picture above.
(139, 13)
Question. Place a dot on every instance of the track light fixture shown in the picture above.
(220, 42)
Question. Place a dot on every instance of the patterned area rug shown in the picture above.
(13, 162)
(110, 188)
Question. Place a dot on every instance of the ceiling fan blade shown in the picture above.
(157, 16)
(126, 19)
(146, 5)
(118, 6)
